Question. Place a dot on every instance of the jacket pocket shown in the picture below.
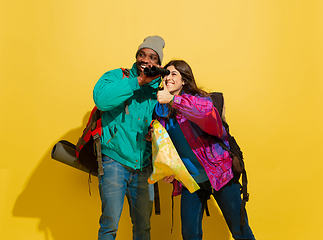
(112, 132)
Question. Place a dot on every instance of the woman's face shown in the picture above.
(173, 81)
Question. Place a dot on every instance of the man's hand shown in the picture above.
(143, 78)
(164, 96)
(148, 135)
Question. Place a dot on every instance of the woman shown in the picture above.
(189, 116)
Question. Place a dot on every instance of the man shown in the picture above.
(128, 104)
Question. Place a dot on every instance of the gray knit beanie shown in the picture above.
(155, 43)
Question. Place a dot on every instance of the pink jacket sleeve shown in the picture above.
(200, 111)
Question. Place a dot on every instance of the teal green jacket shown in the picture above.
(127, 112)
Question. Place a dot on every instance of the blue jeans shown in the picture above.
(119, 180)
(229, 201)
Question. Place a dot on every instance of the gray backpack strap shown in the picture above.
(97, 145)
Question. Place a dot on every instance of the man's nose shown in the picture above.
(146, 59)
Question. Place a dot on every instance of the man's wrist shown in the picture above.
(140, 81)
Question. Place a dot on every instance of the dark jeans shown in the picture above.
(229, 201)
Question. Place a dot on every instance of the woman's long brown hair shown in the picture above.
(190, 86)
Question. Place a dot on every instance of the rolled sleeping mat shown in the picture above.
(64, 152)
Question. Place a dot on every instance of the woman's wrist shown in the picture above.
(171, 101)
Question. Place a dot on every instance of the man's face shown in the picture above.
(146, 57)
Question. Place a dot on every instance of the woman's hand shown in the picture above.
(169, 179)
(164, 96)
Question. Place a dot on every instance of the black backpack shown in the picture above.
(88, 147)
(236, 154)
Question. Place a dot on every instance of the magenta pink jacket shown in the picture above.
(196, 116)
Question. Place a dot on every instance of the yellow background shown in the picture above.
(265, 56)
